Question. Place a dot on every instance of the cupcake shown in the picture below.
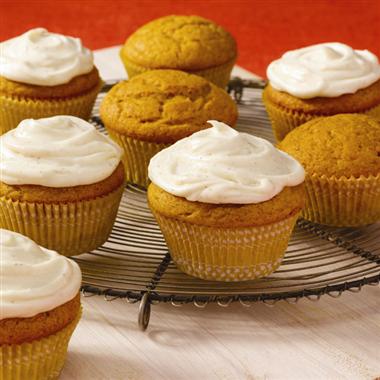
(157, 108)
(341, 156)
(40, 308)
(226, 203)
(187, 43)
(61, 182)
(321, 80)
(44, 74)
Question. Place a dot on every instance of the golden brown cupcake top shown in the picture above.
(288, 202)
(180, 42)
(77, 86)
(341, 145)
(39, 194)
(360, 101)
(22, 330)
(164, 106)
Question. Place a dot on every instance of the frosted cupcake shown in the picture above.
(61, 182)
(226, 203)
(321, 80)
(44, 74)
(40, 308)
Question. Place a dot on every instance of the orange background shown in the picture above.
(263, 29)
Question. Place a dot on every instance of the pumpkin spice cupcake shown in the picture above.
(44, 74)
(157, 108)
(321, 80)
(226, 203)
(40, 308)
(341, 156)
(187, 43)
(61, 182)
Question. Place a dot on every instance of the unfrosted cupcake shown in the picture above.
(188, 43)
(341, 156)
(321, 80)
(44, 74)
(40, 308)
(226, 203)
(157, 108)
(61, 182)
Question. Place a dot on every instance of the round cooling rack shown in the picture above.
(135, 264)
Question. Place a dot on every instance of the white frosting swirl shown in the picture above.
(221, 165)
(326, 70)
(43, 58)
(59, 151)
(33, 279)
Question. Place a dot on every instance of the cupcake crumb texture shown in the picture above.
(186, 42)
(163, 106)
(341, 145)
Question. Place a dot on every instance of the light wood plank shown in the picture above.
(328, 339)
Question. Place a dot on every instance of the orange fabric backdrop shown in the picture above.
(263, 29)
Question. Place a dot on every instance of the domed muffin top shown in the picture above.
(163, 106)
(341, 145)
(180, 42)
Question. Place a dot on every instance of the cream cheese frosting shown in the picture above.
(326, 70)
(220, 165)
(59, 151)
(42, 58)
(33, 279)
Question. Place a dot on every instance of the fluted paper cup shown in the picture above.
(284, 120)
(69, 228)
(40, 359)
(226, 254)
(342, 202)
(137, 154)
(219, 75)
(15, 109)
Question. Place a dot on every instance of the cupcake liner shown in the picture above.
(342, 202)
(219, 75)
(137, 154)
(15, 109)
(226, 254)
(69, 228)
(41, 359)
(284, 120)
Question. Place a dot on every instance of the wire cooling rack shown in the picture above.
(135, 264)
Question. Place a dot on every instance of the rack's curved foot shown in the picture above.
(144, 312)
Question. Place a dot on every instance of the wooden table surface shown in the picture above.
(333, 338)
(328, 339)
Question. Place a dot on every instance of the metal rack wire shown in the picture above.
(134, 263)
